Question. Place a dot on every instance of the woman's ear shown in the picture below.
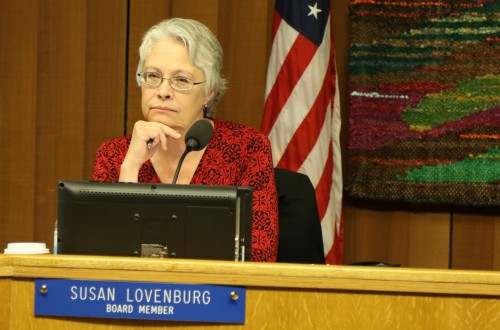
(210, 96)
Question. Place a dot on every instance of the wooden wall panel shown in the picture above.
(6, 305)
(245, 34)
(60, 105)
(75, 96)
(408, 238)
(496, 244)
(428, 240)
(206, 12)
(18, 111)
(105, 85)
(368, 236)
(476, 241)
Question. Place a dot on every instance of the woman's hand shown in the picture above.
(139, 152)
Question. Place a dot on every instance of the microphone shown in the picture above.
(197, 137)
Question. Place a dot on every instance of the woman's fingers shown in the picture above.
(152, 134)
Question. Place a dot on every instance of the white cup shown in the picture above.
(26, 248)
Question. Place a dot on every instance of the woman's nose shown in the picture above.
(165, 91)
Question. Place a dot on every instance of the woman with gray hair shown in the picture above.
(180, 76)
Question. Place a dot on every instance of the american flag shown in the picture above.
(302, 112)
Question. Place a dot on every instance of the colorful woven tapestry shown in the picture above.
(424, 117)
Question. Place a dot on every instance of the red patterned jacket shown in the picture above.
(237, 155)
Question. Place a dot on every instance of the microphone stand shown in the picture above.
(178, 169)
(196, 139)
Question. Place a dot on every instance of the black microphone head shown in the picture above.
(198, 135)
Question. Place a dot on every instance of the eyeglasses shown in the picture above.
(154, 79)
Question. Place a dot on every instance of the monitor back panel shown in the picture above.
(165, 221)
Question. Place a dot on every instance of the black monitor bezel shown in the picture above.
(90, 219)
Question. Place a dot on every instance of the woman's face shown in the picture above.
(177, 109)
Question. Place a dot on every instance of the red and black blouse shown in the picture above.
(237, 155)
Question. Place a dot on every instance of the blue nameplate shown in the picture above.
(137, 300)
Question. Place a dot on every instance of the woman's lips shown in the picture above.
(159, 108)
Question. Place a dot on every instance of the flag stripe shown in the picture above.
(325, 186)
(283, 38)
(293, 67)
(315, 162)
(333, 221)
(276, 24)
(335, 253)
(337, 158)
(306, 135)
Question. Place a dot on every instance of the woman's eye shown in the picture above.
(182, 80)
(153, 76)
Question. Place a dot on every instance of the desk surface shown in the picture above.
(345, 278)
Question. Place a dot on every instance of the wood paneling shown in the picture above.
(245, 36)
(60, 105)
(476, 241)
(5, 291)
(80, 94)
(306, 296)
(208, 12)
(18, 112)
(105, 84)
(297, 309)
(69, 84)
(398, 237)
(428, 240)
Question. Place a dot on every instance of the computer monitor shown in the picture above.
(154, 220)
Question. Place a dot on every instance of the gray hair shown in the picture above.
(203, 48)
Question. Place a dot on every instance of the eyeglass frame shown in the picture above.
(193, 83)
